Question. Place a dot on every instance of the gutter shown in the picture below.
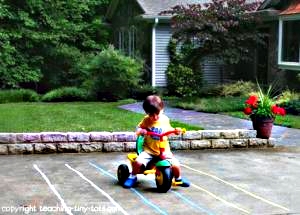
(268, 14)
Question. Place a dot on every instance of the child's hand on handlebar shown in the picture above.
(180, 131)
(141, 131)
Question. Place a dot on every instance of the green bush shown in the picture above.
(239, 88)
(183, 81)
(18, 95)
(66, 94)
(112, 75)
(142, 91)
(293, 107)
(290, 101)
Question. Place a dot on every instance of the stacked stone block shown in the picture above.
(81, 142)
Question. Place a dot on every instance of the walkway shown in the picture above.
(283, 136)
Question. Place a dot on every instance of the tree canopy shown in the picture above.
(45, 40)
(224, 29)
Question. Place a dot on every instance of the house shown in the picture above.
(140, 30)
(282, 21)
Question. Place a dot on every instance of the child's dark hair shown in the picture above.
(153, 104)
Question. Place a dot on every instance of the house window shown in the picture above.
(289, 42)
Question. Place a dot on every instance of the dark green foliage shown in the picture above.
(183, 81)
(290, 100)
(66, 94)
(20, 95)
(292, 107)
(112, 75)
(226, 30)
(142, 91)
(49, 40)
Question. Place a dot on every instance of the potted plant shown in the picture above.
(262, 109)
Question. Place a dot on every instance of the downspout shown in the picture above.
(279, 52)
(154, 51)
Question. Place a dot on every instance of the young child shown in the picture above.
(157, 122)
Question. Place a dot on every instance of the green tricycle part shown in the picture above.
(139, 144)
(162, 163)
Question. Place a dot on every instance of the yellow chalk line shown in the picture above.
(221, 199)
(237, 187)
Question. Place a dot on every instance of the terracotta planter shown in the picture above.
(263, 126)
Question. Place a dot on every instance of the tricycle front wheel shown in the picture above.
(163, 178)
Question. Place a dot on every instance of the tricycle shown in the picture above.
(162, 168)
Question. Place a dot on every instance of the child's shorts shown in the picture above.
(145, 158)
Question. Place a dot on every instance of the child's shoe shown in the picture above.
(182, 182)
(130, 182)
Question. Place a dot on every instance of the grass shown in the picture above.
(232, 106)
(77, 116)
(291, 121)
(211, 105)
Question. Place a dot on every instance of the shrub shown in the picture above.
(293, 107)
(18, 95)
(211, 91)
(239, 88)
(142, 91)
(183, 81)
(66, 94)
(290, 101)
(113, 75)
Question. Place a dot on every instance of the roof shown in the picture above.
(294, 8)
(154, 7)
(268, 4)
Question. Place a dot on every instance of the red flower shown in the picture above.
(282, 112)
(252, 100)
(274, 109)
(278, 110)
(247, 111)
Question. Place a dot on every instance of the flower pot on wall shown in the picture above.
(263, 126)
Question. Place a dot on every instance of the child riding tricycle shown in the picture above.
(153, 154)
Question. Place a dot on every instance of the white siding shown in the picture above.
(162, 37)
(212, 71)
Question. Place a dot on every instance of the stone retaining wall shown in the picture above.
(79, 142)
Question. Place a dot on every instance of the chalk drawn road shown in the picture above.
(222, 182)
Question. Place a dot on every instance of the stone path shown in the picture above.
(283, 136)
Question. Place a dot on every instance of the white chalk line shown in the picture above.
(221, 199)
(237, 187)
(98, 188)
(66, 208)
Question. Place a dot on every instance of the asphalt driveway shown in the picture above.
(222, 182)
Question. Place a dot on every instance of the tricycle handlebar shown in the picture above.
(183, 130)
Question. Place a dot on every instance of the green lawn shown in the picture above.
(232, 106)
(288, 120)
(77, 116)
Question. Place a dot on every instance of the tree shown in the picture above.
(224, 29)
(43, 41)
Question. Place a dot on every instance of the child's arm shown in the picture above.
(141, 128)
